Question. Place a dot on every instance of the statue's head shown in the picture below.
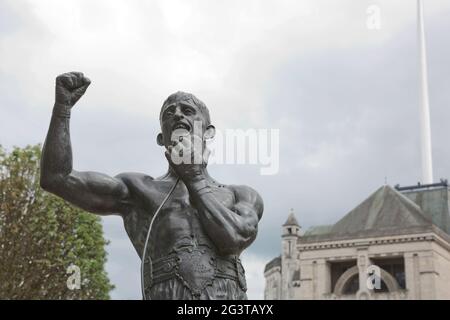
(184, 111)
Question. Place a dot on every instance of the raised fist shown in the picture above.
(70, 87)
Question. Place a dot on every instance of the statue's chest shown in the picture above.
(182, 214)
(181, 201)
(179, 223)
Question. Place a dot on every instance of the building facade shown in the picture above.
(394, 245)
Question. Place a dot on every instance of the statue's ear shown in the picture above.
(159, 139)
(210, 132)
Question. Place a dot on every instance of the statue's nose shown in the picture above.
(178, 114)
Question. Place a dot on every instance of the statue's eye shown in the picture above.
(188, 111)
(169, 112)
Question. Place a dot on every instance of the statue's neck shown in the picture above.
(171, 172)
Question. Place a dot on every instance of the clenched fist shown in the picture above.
(70, 87)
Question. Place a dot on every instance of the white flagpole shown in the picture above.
(425, 130)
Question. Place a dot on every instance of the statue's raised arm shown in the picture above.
(92, 191)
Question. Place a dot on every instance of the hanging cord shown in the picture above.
(148, 238)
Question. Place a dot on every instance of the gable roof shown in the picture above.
(385, 212)
(386, 208)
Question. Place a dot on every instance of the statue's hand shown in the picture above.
(70, 87)
(188, 171)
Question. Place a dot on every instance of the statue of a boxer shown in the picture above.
(202, 228)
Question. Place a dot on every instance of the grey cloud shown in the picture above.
(347, 113)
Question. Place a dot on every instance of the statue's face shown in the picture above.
(179, 116)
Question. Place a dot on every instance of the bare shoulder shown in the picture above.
(134, 179)
(248, 195)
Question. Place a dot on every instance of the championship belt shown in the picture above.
(196, 267)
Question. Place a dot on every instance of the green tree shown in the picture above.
(42, 235)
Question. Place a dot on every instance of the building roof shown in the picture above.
(434, 202)
(275, 262)
(317, 230)
(385, 208)
(291, 220)
(385, 212)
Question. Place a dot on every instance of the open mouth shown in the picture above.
(181, 126)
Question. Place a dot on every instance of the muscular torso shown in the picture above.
(177, 224)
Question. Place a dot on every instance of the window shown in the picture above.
(352, 285)
(395, 267)
(338, 268)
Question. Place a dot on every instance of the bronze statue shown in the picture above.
(201, 226)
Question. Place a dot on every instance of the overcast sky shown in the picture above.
(344, 97)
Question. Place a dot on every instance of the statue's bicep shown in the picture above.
(96, 192)
(248, 202)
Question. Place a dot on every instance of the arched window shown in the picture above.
(348, 282)
(352, 285)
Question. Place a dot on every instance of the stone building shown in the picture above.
(394, 245)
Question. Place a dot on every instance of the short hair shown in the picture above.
(188, 97)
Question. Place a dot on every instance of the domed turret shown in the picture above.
(291, 226)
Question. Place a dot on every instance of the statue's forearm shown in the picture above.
(230, 231)
(56, 162)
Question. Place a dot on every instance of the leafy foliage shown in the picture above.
(41, 235)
